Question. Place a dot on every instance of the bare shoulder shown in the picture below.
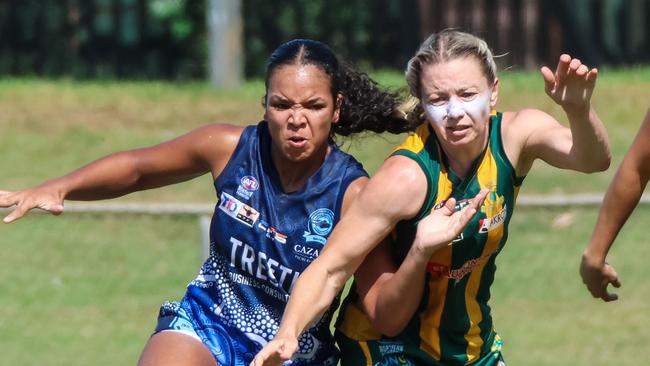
(400, 181)
(215, 143)
(352, 191)
(527, 118)
(517, 127)
(224, 135)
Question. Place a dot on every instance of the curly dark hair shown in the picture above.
(365, 106)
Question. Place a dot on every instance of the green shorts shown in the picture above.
(393, 352)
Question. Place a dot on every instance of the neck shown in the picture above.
(461, 158)
(293, 175)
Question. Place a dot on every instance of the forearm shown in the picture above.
(394, 302)
(311, 296)
(620, 200)
(590, 148)
(109, 177)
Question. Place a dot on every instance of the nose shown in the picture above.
(455, 109)
(297, 116)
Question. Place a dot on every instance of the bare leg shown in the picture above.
(175, 349)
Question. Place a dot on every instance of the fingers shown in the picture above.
(549, 79)
(450, 206)
(24, 203)
(274, 353)
(609, 296)
(609, 276)
(478, 200)
(14, 215)
(6, 199)
(563, 65)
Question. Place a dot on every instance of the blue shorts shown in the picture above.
(225, 349)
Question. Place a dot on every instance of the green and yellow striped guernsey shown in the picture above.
(453, 325)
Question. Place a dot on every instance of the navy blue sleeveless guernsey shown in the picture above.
(261, 239)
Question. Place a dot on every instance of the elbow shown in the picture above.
(598, 165)
(594, 163)
(388, 323)
(389, 328)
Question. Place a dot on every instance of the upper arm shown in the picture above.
(396, 192)
(205, 149)
(638, 156)
(533, 134)
(352, 192)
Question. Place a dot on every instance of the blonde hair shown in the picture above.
(449, 45)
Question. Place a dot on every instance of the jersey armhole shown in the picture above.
(497, 122)
(432, 189)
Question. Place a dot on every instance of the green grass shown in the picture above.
(82, 289)
(543, 311)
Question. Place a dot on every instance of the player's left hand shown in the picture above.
(572, 84)
(444, 224)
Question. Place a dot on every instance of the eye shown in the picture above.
(315, 106)
(280, 105)
(468, 95)
(437, 101)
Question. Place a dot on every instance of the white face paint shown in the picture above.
(456, 108)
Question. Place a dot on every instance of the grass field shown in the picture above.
(84, 289)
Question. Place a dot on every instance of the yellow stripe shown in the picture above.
(430, 318)
(487, 177)
(415, 142)
(356, 325)
(366, 352)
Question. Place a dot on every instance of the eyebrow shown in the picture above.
(276, 97)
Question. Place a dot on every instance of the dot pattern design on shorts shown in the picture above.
(241, 309)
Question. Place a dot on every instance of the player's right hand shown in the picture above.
(597, 275)
(25, 200)
(276, 352)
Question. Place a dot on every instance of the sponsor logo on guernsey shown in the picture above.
(271, 232)
(387, 347)
(247, 186)
(261, 267)
(237, 209)
(495, 212)
(441, 270)
(320, 224)
(305, 253)
(459, 206)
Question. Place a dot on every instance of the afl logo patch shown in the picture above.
(247, 185)
(250, 183)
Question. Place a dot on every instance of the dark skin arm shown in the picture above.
(206, 149)
(620, 200)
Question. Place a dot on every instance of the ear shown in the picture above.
(337, 107)
(495, 93)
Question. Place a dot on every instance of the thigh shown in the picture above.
(175, 349)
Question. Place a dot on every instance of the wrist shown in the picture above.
(577, 112)
(286, 334)
(419, 254)
(593, 258)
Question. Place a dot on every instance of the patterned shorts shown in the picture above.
(173, 317)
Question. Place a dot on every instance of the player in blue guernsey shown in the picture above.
(281, 186)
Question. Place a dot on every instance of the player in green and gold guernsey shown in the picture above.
(455, 323)
(418, 300)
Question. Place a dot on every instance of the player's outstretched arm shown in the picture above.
(202, 150)
(390, 295)
(621, 198)
(584, 145)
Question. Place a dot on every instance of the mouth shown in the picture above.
(297, 142)
(457, 128)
